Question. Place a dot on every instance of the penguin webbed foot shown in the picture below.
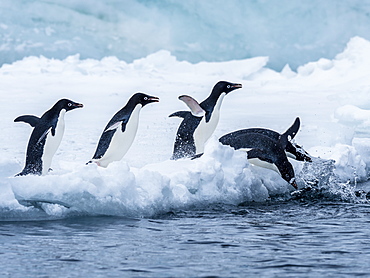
(196, 156)
(96, 162)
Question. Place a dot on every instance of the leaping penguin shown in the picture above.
(199, 124)
(46, 136)
(292, 149)
(120, 131)
(264, 151)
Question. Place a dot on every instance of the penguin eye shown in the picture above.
(228, 86)
(145, 98)
(69, 104)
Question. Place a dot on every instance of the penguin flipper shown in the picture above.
(292, 131)
(236, 140)
(194, 106)
(29, 119)
(45, 134)
(113, 126)
(116, 125)
(103, 143)
(180, 114)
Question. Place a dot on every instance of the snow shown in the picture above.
(293, 32)
(329, 96)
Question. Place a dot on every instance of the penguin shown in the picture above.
(120, 131)
(292, 150)
(46, 136)
(199, 124)
(265, 152)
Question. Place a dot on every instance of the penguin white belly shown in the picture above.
(121, 141)
(52, 143)
(264, 164)
(245, 149)
(205, 130)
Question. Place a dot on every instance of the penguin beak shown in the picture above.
(78, 105)
(294, 183)
(236, 86)
(153, 99)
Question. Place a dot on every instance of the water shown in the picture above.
(289, 238)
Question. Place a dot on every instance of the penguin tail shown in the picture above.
(180, 114)
(26, 172)
(20, 174)
(197, 156)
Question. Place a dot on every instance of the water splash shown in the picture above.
(318, 180)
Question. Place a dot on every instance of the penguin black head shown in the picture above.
(67, 104)
(287, 172)
(226, 87)
(143, 99)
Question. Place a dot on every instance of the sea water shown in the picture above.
(291, 238)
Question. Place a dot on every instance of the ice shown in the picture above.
(289, 32)
(329, 95)
(353, 116)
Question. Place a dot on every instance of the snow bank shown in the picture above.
(221, 176)
(354, 116)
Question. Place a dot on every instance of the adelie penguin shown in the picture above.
(265, 149)
(199, 124)
(120, 131)
(292, 149)
(46, 136)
